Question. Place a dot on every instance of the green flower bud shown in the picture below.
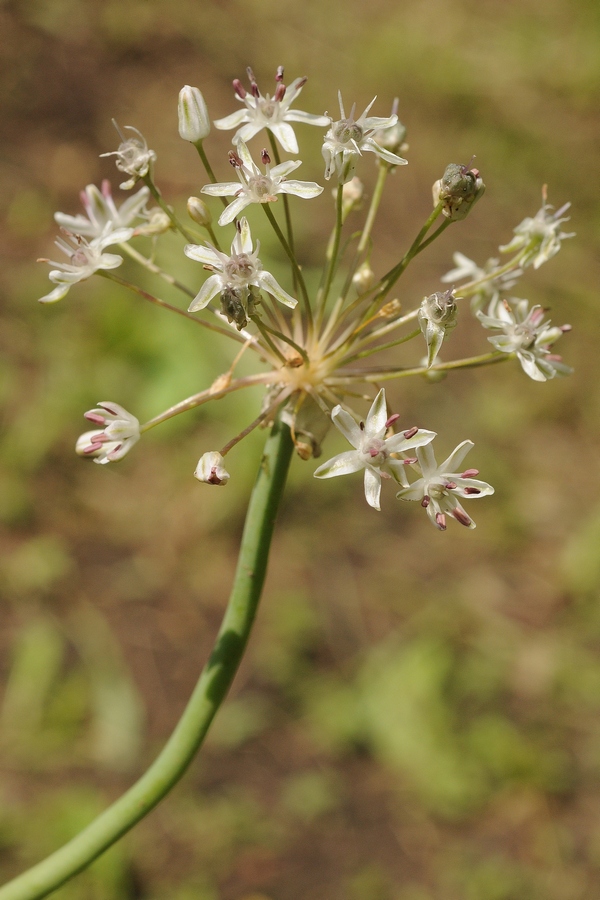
(458, 189)
(194, 124)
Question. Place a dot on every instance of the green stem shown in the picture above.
(292, 258)
(333, 255)
(191, 238)
(210, 691)
(384, 169)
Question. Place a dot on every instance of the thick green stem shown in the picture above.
(208, 695)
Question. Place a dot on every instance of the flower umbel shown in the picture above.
(256, 186)
(529, 336)
(85, 258)
(269, 112)
(439, 487)
(377, 454)
(133, 156)
(240, 272)
(348, 138)
(120, 431)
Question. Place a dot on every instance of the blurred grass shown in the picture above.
(418, 718)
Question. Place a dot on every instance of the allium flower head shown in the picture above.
(239, 272)
(439, 487)
(269, 112)
(119, 432)
(377, 454)
(101, 211)
(85, 258)
(539, 237)
(256, 186)
(527, 334)
(349, 137)
(133, 156)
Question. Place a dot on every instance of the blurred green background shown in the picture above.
(418, 716)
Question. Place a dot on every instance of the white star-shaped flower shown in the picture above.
(348, 138)
(488, 292)
(273, 113)
(529, 336)
(101, 211)
(257, 187)
(120, 431)
(440, 486)
(540, 237)
(239, 271)
(373, 450)
(134, 157)
(85, 258)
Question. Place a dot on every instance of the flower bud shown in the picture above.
(352, 194)
(210, 469)
(194, 123)
(199, 211)
(363, 278)
(458, 189)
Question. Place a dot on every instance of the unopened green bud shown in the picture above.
(199, 211)
(194, 123)
(458, 189)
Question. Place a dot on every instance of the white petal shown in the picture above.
(529, 364)
(284, 168)
(222, 189)
(453, 462)
(247, 132)
(344, 422)
(232, 121)
(377, 415)
(306, 189)
(270, 285)
(202, 254)
(387, 155)
(57, 294)
(342, 464)
(372, 487)
(245, 236)
(234, 209)
(426, 458)
(397, 443)
(414, 492)
(109, 261)
(286, 137)
(209, 289)
(296, 115)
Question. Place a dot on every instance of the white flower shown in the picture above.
(540, 236)
(488, 292)
(437, 316)
(210, 469)
(529, 336)
(101, 210)
(194, 123)
(373, 451)
(256, 187)
(239, 271)
(85, 258)
(120, 431)
(347, 138)
(440, 486)
(273, 113)
(133, 156)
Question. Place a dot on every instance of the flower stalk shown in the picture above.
(208, 695)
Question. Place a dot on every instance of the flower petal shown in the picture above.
(344, 422)
(202, 254)
(377, 415)
(305, 189)
(209, 289)
(234, 209)
(233, 120)
(342, 464)
(271, 286)
(453, 462)
(286, 137)
(372, 487)
(222, 189)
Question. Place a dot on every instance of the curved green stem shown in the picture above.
(208, 695)
(192, 239)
